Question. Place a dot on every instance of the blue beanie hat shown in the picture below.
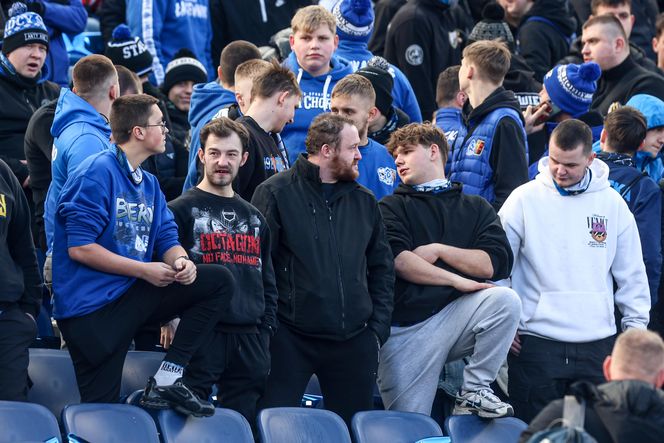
(355, 19)
(571, 87)
(23, 28)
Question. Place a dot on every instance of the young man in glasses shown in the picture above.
(111, 220)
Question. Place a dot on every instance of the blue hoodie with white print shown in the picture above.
(316, 93)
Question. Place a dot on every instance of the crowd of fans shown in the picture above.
(386, 193)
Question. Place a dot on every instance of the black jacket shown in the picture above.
(542, 44)
(20, 280)
(413, 219)
(422, 42)
(20, 98)
(384, 11)
(520, 78)
(621, 83)
(38, 147)
(334, 270)
(622, 411)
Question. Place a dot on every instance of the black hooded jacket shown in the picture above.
(542, 44)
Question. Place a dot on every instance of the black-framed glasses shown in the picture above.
(162, 125)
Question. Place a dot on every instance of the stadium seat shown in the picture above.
(53, 378)
(473, 429)
(109, 423)
(22, 422)
(393, 426)
(224, 425)
(301, 425)
(138, 366)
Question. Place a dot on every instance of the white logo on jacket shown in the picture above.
(414, 55)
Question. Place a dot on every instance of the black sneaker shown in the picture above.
(151, 399)
(183, 400)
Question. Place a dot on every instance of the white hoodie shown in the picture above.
(564, 267)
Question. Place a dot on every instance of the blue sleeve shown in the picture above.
(145, 18)
(82, 148)
(648, 215)
(85, 207)
(70, 19)
(167, 237)
(404, 97)
(192, 172)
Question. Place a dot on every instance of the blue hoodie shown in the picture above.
(652, 109)
(166, 26)
(78, 131)
(206, 101)
(316, 92)
(61, 19)
(377, 170)
(357, 55)
(103, 205)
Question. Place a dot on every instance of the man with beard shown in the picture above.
(217, 226)
(334, 273)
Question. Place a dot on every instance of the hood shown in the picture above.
(639, 398)
(651, 107)
(72, 109)
(555, 10)
(352, 50)
(500, 98)
(339, 69)
(207, 98)
(599, 181)
(520, 78)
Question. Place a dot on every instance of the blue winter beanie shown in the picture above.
(355, 19)
(23, 28)
(571, 87)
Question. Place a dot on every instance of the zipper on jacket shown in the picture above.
(333, 239)
(313, 212)
(27, 100)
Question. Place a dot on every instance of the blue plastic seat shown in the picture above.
(301, 425)
(473, 429)
(21, 422)
(54, 380)
(109, 423)
(393, 426)
(224, 425)
(138, 366)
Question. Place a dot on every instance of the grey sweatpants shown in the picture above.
(481, 325)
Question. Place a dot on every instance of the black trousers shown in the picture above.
(346, 371)
(545, 369)
(98, 342)
(238, 363)
(17, 331)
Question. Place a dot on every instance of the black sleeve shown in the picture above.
(269, 280)
(410, 48)
(649, 84)
(536, 48)
(508, 160)
(490, 237)
(396, 225)
(111, 14)
(264, 201)
(19, 169)
(220, 37)
(380, 279)
(21, 247)
(182, 216)
(548, 415)
(384, 11)
(247, 173)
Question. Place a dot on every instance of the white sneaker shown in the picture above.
(482, 403)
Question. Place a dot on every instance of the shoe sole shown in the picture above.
(183, 404)
(155, 404)
(462, 410)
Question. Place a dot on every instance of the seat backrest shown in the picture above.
(224, 425)
(473, 429)
(109, 423)
(301, 425)
(138, 366)
(54, 380)
(393, 426)
(27, 422)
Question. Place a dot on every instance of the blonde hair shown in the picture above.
(312, 17)
(638, 353)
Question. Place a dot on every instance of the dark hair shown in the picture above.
(127, 112)
(491, 58)
(608, 20)
(571, 133)
(223, 127)
(92, 75)
(424, 134)
(594, 4)
(659, 25)
(275, 79)
(325, 130)
(625, 129)
(447, 86)
(233, 55)
(129, 81)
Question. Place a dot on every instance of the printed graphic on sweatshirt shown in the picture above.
(273, 163)
(190, 8)
(387, 175)
(597, 225)
(3, 206)
(315, 100)
(223, 237)
(133, 222)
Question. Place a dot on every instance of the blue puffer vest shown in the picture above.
(470, 162)
(450, 121)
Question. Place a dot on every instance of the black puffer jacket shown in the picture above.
(333, 265)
